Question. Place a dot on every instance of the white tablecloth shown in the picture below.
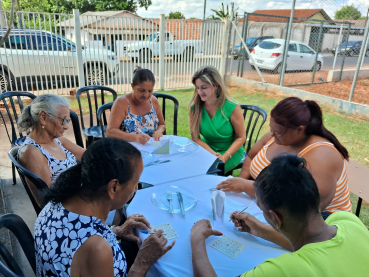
(182, 165)
(177, 262)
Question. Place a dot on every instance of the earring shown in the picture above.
(43, 127)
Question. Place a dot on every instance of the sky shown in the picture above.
(195, 8)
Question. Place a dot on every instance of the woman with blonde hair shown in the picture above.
(217, 118)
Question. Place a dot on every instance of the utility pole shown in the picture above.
(204, 9)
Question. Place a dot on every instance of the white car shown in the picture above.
(269, 55)
(41, 59)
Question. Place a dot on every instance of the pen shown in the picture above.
(243, 210)
(148, 232)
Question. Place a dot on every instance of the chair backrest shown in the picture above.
(358, 176)
(8, 265)
(76, 128)
(163, 108)
(39, 184)
(93, 93)
(10, 105)
(102, 121)
(252, 114)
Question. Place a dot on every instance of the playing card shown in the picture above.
(169, 232)
(228, 246)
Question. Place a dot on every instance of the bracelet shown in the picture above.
(112, 227)
(230, 156)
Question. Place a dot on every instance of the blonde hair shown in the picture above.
(210, 75)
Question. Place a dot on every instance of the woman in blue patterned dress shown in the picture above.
(71, 236)
(137, 116)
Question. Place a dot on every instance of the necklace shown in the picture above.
(92, 207)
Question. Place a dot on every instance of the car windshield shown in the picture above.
(151, 38)
(350, 43)
(269, 45)
(250, 40)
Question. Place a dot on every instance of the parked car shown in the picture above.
(269, 54)
(34, 56)
(239, 50)
(353, 48)
(144, 51)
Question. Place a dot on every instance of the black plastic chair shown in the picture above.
(76, 128)
(164, 97)
(8, 265)
(102, 120)
(10, 105)
(93, 132)
(252, 132)
(39, 184)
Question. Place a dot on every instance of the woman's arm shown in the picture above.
(32, 159)
(245, 171)
(161, 128)
(117, 115)
(76, 150)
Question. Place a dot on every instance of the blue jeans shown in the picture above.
(325, 215)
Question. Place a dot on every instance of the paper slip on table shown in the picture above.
(181, 165)
(177, 262)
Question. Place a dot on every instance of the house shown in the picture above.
(182, 29)
(313, 14)
(102, 29)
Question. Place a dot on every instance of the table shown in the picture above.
(182, 165)
(177, 262)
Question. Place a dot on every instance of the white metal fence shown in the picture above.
(55, 53)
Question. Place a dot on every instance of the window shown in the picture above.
(18, 42)
(269, 45)
(306, 50)
(50, 43)
(292, 48)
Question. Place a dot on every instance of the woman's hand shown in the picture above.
(247, 223)
(157, 135)
(153, 248)
(202, 230)
(221, 157)
(142, 138)
(126, 230)
(237, 185)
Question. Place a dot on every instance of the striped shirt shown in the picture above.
(341, 200)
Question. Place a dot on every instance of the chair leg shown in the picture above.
(14, 177)
(358, 208)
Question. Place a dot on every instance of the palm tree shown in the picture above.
(221, 13)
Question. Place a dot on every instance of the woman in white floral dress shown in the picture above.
(71, 236)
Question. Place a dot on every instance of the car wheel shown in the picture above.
(350, 53)
(188, 54)
(253, 67)
(4, 82)
(278, 69)
(235, 57)
(95, 75)
(144, 56)
(367, 53)
(317, 67)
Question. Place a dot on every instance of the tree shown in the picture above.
(29, 5)
(348, 12)
(175, 15)
(221, 13)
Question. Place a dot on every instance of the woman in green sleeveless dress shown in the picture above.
(217, 118)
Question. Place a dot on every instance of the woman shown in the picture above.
(320, 248)
(45, 152)
(71, 237)
(296, 127)
(215, 116)
(137, 116)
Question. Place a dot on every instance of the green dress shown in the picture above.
(219, 133)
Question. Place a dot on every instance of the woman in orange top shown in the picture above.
(296, 127)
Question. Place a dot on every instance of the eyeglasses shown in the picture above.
(64, 121)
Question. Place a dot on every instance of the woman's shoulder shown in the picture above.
(228, 107)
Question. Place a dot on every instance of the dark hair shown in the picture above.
(103, 161)
(292, 112)
(286, 183)
(142, 75)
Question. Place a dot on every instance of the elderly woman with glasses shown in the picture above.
(45, 151)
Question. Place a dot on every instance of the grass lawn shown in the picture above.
(351, 132)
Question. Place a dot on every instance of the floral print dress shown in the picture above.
(134, 123)
(60, 233)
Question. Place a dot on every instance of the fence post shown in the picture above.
(344, 55)
(2, 17)
(317, 51)
(363, 50)
(234, 39)
(162, 52)
(223, 52)
(337, 47)
(287, 44)
(244, 34)
(77, 36)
